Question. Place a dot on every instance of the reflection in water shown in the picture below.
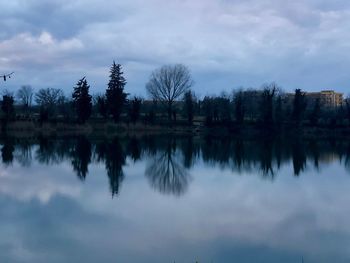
(166, 173)
(229, 215)
(134, 149)
(299, 157)
(81, 157)
(113, 155)
(23, 153)
(7, 152)
(115, 159)
(169, 158)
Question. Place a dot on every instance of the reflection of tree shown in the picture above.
(7, 152)
(115, 159)
(347, 158)
(81, 157)
(23, 153)
(189, 152)
(266, 158)
(166, 174)
(238, 157)
(217, 151)
(299, 157)
(53, 151)
(112, 153)
(134, 149)
(315, 153)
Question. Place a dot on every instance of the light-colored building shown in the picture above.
(327, 98)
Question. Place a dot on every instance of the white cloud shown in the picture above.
(300, 44)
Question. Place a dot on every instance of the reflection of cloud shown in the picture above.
(37, 183)
(231, 39)
(224, 216)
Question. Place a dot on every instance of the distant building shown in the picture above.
(327, 98)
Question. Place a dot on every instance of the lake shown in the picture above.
(174, 199)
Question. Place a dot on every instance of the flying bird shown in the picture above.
(7, 76)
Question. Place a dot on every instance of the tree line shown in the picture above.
(171, 101)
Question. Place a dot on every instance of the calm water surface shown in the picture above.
(166, 199)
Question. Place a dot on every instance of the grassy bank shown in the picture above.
(106, 128)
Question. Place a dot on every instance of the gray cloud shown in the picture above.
(303, 44)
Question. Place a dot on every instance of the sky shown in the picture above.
(226, 44)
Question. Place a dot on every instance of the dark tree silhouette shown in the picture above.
(222, 109)
(188, 107)
(48, 96)
(207, 108)
(115, 95)
(81, 157)
(48, 99)
(102, 106)
(315, 113)
(7, 152)
(279, 113)
(347, 103)
(266, 158)
(169, 83)
(266, 106)
(82, 100)
(239, 110)
(7, 106)
(238, 150)
(299, 106)
(189, 152)
(134, 109)
(115, 159)
(134, 149)
(53, 151)
(315, 152)
(299, 157)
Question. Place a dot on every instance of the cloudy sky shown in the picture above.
(226, 43)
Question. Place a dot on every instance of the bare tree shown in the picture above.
(168, 83)
(49, 99)
(25, 95)
(48, 96)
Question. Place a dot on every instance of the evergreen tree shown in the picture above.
(115, 95)
(82, 100)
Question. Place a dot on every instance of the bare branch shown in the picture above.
(169, 83)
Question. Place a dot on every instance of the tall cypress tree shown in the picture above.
(82, 100)
(115, 95)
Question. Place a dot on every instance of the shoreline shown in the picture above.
(110, 129)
